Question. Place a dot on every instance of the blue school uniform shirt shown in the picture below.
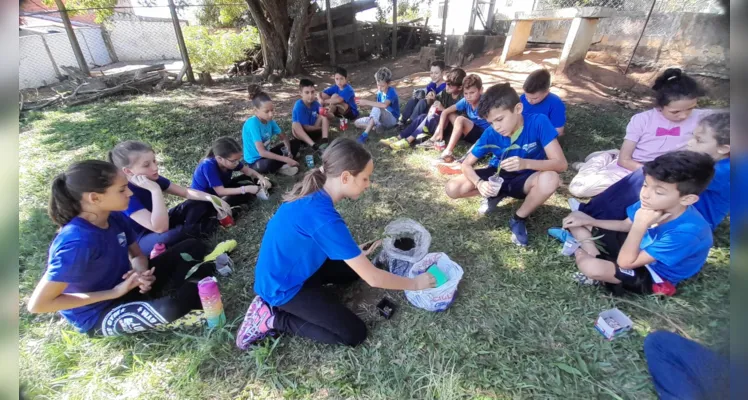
(90, 259)
(298, 239)
(552, 107)
(303, 114)
(714, 202)
(142, 199)
(347, 94)
(464, 107)
(432, 87)
(209, 174)
(255, 130)
(537, 133)
(679, 247)
(391, 95)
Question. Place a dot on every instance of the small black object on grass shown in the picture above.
(386, 308)
(405, 243)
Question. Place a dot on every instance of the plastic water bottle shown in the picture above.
(157, 249)
(210, 297)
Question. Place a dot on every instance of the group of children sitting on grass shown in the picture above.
(653, 214)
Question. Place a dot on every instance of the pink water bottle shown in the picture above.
(157, 249)
(207, 289)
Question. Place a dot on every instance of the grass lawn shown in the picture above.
(520, 328)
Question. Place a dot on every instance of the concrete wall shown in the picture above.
(37, 65)
(458, 17)
(137, 38)
(696, 41)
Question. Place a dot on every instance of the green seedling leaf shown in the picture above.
(192, 270)
(216, 201)
(187, 257)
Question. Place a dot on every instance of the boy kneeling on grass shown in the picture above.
(306, 121)
(529, 170)
(664, 240)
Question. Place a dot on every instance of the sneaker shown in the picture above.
(224, 247)
(446, 157)
(449, 168)
(422, 137)
(576, 166)
(263, 194)
(255, 326)
(597, 153)
(288, 170)
(582, 279)
(488, 205)
(363, 138)
(573, 204)
(388, 141)
(401, 144)
(519, 232)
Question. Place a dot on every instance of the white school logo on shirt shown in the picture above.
(122, 239)
(528, 147)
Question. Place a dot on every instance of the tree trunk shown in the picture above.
(274, 43)
(296, 38)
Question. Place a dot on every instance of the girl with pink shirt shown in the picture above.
(649, 134)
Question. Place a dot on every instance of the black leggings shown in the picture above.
(239, 199)
(170, 297)
(267, 166)
(190, 219)
(316, 314)
(414, 108)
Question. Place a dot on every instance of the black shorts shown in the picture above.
(473, 135)
(514, 182)
(637, 280)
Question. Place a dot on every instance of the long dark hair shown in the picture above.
(90, 176)
(342, 155)
(224, 147)
(257, 95)
(121, 154)
(674, 85)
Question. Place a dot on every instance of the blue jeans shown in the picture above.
(611, 204)
(683, 369)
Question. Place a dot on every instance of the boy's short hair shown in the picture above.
(472, 80)
(538, 81)
(383, 74)
(305, 83)
(497, 96)
(719, 123)
(690, 171)
(440, 64)
(342, 72)
(455, 77)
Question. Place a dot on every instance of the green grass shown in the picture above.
(520, 328)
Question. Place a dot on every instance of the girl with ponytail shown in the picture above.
(257, 134)
(214, 174)
(95, 263)
(666, 127)
(307, 245)
(152, 223)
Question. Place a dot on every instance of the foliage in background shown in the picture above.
(234, 14)
(406, 10)
(214, 51)
(102, 12)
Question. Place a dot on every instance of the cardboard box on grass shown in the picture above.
(608, 331)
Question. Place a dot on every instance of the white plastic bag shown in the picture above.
(438, 298)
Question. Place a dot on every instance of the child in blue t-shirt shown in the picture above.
(151, 221)
(307, 124)
(95, 264)
(306, 246)
(664, 239)
(213, 174)
(257, 135)
(712, 137)
(415, 107)
(538, 99)
(469, 126)
(385, 111)
(529, 171)
(340, 98)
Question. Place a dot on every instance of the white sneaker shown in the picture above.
(573, 204)
(577, 165)
(597, 153)
(288, 171)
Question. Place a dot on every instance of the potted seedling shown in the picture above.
(496, 181)
(224, 215)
